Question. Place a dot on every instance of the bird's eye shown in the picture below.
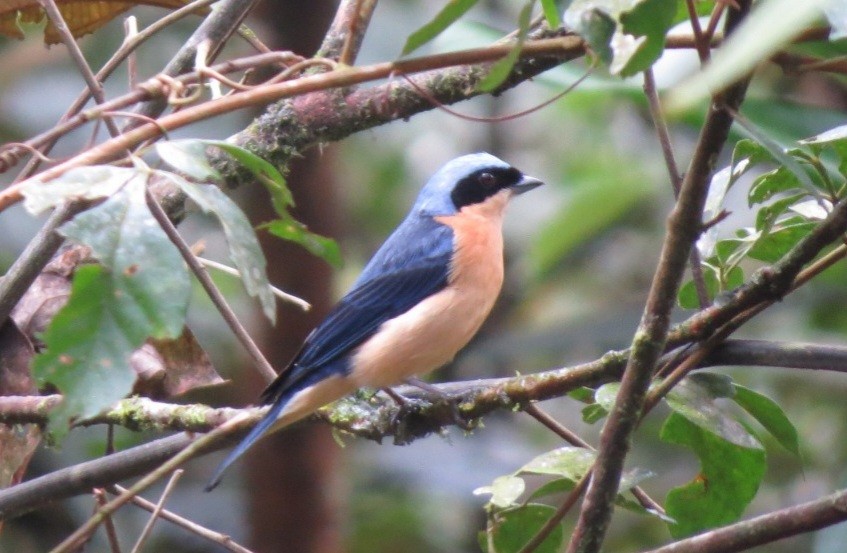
(487, 180)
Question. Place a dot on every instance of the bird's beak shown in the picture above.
(526, 184)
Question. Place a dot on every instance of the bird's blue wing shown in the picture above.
(413, 264)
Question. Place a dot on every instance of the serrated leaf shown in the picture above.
(512, 530)
(505, 491)
(295, 231)
(729, 478)
(770, 415)
(146, 267)
(141, 290)
(694, 399)
(80, 183)
(650, 19)
(446, 17)
(244, 249)
(189, 157)
(500, 69)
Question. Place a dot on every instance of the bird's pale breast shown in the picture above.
(431, 333)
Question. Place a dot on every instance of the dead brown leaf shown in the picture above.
(166, 368)
(81, 16)
(18, 441)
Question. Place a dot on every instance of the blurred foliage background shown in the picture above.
(580, 253)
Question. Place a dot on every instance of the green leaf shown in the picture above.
(149, 275)
(768, 215)
(446, 17)
(729, 478)
(289, 228)
(569, 462)
(594, 25)
(189, 157)
(687, 297)
(771, 183)
(500, 69)
(80, 183)
(650, 19)
(582, 394)
(629, 480)
(606, 394)
(694, 399)
(264, 171)
(593, 413)
(755, 40)
(243, 245)
(511, 530)
(505, 491)
(771, 247)
(141, 291)
(552, 9)
(770, 415)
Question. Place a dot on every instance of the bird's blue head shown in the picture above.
(469, 180)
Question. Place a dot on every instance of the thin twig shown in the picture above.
(356, 30)
(701, 41)
(94, 86)
(768, 528)
(281, 294)
(157, 511)
(195, 447)
(662, 131)
(650, 338)
(215, 537)
(572, 438)
(111, 534)
(558, 516)
(32, 260)
(260, 362)
(215, 30)
(262, 95)
(129, 45)
(343, 39)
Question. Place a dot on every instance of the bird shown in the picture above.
(418, 301)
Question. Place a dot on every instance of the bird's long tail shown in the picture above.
(254, 435)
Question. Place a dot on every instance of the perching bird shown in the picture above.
(419, 300)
